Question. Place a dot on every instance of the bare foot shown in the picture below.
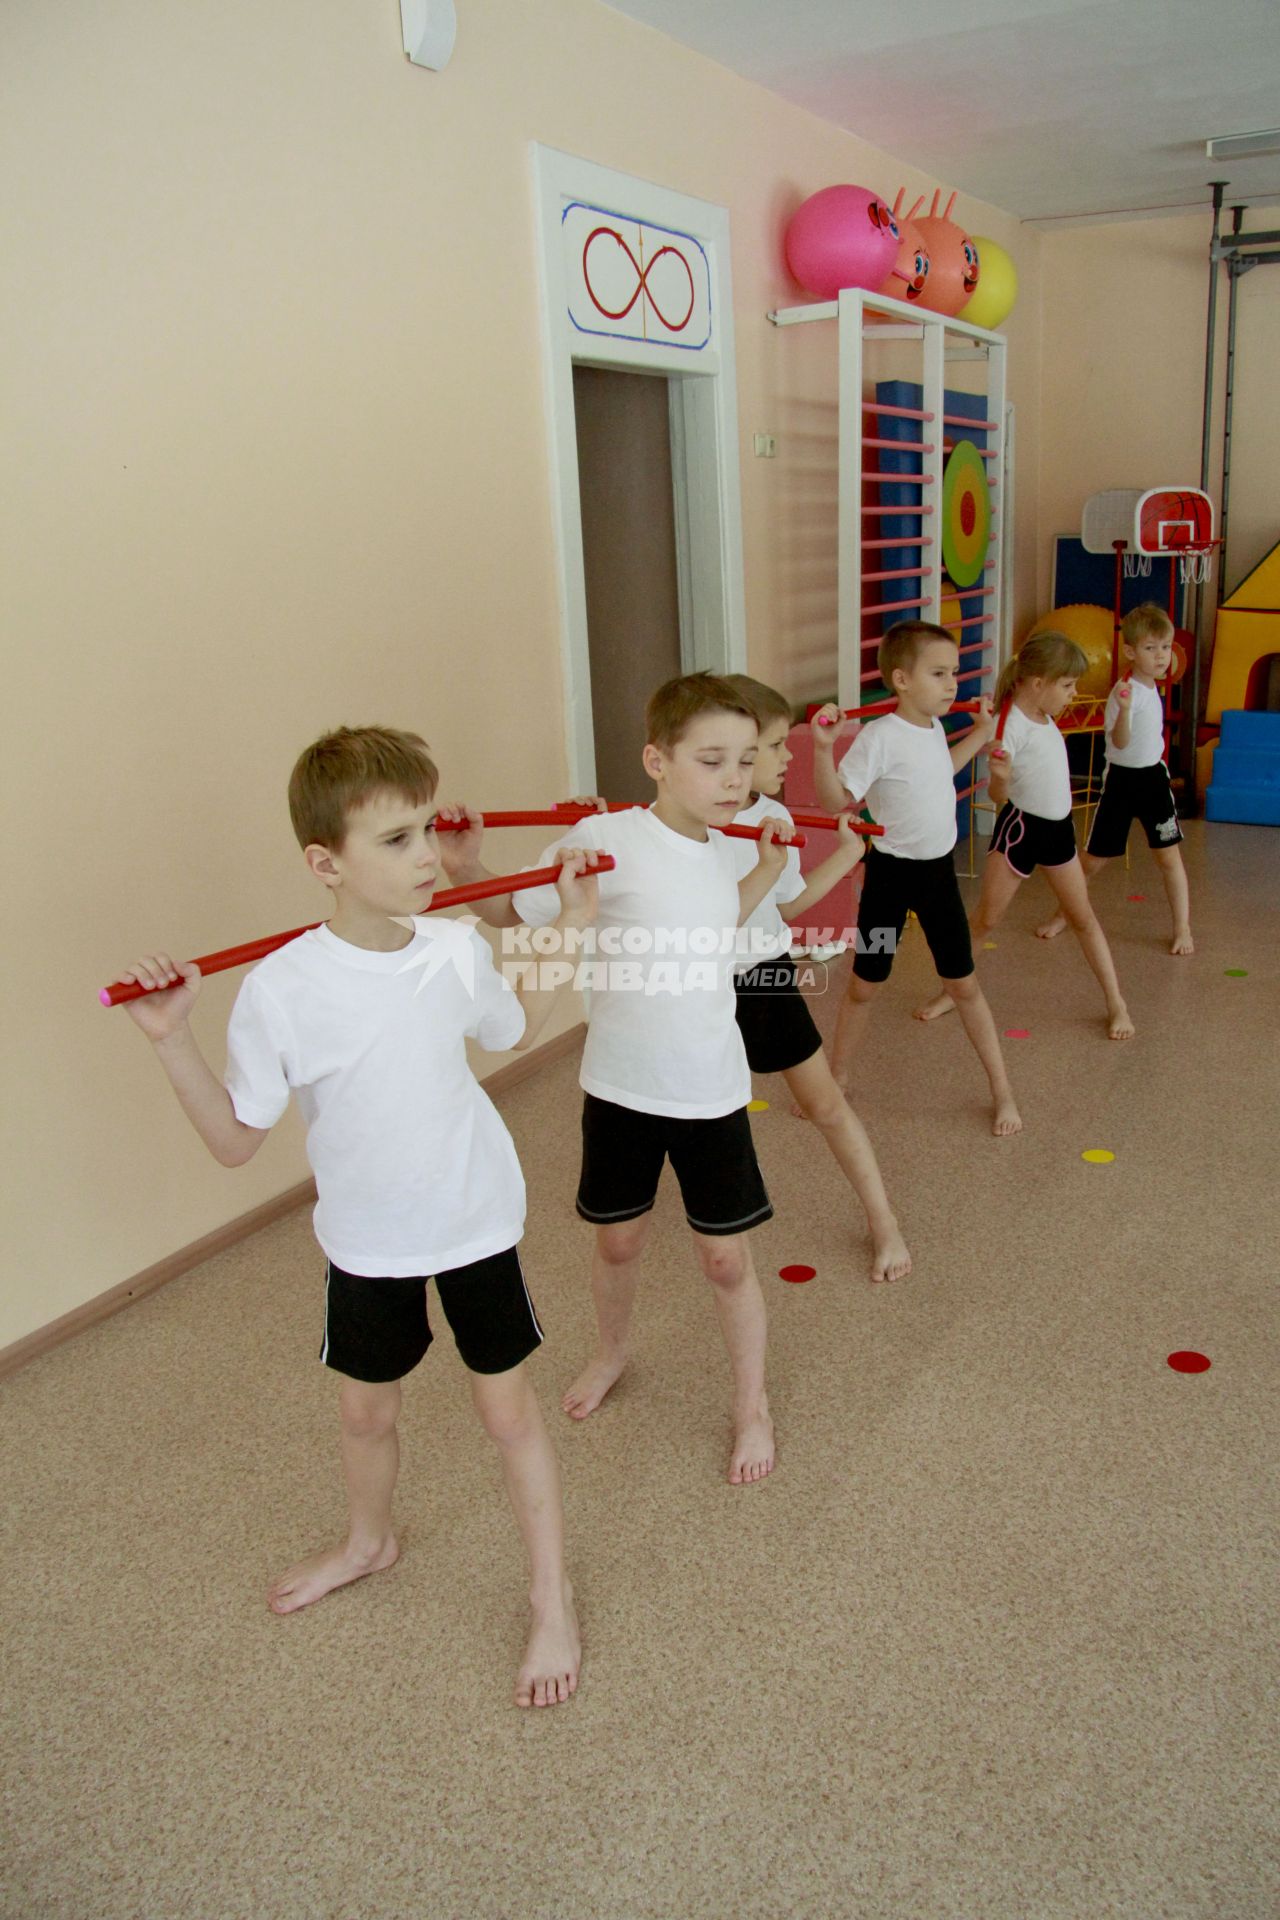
(549, 1673)
(1182, 941)
(753, 1448)
(935, 1008)
(1052, 928)
(320, 1573)
(892, 1261)
(591, 1386)
(1119, 1025)
(1006, 1119)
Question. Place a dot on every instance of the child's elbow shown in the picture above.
(239, 1151)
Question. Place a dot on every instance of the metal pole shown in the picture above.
(1191, 725)
(1233, 282)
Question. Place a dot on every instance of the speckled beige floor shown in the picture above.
(996, 1642)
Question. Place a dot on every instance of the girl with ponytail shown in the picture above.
(1030, 782)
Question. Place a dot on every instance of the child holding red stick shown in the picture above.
(1136, 785)
(664, 1073)
(777, 1027)
(903, 766)
(1030, 782)
(364, 1018)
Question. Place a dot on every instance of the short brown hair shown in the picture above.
(903, 645)
(345, 770)
(1147, 622)
(673, 709)
(765, 702)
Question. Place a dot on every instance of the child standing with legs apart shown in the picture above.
(1136, 785)
(365, 1019)
(664, 1073)
(776, 1024)
(903, 767)
(1030, 781)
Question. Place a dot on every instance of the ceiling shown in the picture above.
(1054, 110)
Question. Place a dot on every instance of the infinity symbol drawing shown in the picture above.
(642, 279)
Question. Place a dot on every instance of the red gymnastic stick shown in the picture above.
(566, 814)
(891, 706)
(122, 990)
(829, 822)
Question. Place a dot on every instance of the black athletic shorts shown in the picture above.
(776, 1024)
(377, 1330)
(1129, 794)
(895, 887)
(1028, 840)
(714, 1160)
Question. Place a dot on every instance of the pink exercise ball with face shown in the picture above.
(908, 274)
(953, 261)
(841, 237)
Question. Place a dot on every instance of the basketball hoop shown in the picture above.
(1137, 566)
(1177, 521)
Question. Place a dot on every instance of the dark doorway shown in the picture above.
(629, 562)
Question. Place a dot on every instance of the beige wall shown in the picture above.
(276, 459)
(1123, 377)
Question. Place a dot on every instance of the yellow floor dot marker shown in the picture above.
(757, 1106)
(1097, 1156)
(989, 945)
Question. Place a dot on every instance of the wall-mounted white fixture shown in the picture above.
(1236, 146)
(430, 28)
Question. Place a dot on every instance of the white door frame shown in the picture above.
(704, 418)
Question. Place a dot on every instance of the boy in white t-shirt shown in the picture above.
(1136, 785)
(903, 766)
(664, 1072)
(365, 1019)
(777, 1027)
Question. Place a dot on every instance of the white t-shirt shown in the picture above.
(904, 774)
(661, 1033)
(1039, 776)
(415, 1171)
(1146, 727)
(765, 935)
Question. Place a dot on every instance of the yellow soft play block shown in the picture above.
(1240, 640)
(1259, 591)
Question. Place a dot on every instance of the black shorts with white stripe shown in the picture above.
(377, 1329)
(714, 1161)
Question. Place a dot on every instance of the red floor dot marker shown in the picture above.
(1017, 1033)
(796, 1274)
(1188, 1362)
(1135, 896)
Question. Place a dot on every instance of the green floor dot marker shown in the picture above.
(1236, 973)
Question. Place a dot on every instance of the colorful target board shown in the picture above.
(966, 515)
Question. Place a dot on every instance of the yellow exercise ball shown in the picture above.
(1092, 629)
(991, 302)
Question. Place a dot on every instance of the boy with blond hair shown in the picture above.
(903, 767)
(664, 1073)
(364, 1019)
(1136, 783)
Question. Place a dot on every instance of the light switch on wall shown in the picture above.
(766, 446)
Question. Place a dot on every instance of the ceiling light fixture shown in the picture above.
(1237, 146)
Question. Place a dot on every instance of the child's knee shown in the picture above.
(724, 1262)
(825, 1109)
(624, 1241)
(965, 989)
(507, 1406)
(369, 1411)
(859, 991)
